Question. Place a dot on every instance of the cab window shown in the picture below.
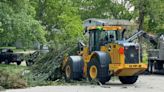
(94, 40)
(109, 36)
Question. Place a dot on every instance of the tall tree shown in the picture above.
(60, 18)
(150, 14)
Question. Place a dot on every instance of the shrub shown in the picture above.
(11, 81)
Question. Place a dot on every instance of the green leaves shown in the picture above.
(18, 23)
(153, 14)
(61, 20)
(1, 30)
(102, 9)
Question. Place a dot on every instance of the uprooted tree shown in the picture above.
(48, 67)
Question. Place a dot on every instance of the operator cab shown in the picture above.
(105, 31)
(101, 36)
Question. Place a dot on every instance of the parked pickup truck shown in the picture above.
(8, 56)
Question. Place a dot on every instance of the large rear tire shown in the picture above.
(68, 72)
(96, 72)
(128, 79)
(73, 69)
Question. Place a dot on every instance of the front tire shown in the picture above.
(96, 72)
(128, 79)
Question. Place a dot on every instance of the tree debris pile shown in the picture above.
(48, 67)
(8, 80)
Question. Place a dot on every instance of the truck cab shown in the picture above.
(8, 56)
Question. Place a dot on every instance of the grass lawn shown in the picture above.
(12, 68)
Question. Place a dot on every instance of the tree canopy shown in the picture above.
(58, 21)
(17, 23)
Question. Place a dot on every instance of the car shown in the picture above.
(8, 56)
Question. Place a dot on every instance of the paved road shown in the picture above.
(146, 83)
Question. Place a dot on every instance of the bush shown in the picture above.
(8, 81)
(32, 81)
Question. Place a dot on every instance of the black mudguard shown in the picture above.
(77, 66)
(103, 58)
(104, 61)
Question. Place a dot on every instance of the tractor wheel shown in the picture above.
(7, 62)
(18, 62)
(151, 66)
(68, 72)
(72, 71)
(29, 62)
(128, 79)
(96, 72)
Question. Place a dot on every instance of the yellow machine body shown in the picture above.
(117, 67)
